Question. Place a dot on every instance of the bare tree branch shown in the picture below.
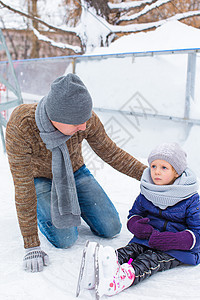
(127, 6)
(75, 49)
(144, 11)
(69, 29)
(152, 25)
(50, 27)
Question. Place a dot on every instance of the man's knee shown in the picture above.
(114, 230)
(64, 243)
(111, 229)
(60, 238)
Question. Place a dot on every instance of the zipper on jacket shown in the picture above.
(165, 224)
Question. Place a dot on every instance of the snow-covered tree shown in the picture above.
(93, 22)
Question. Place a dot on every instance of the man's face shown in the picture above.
(68, 129)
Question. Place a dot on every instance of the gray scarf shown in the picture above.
(65, 210)
(168, 195)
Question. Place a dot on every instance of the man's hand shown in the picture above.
(35, 259)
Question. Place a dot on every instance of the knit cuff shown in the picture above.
(194, 238)
(31, 241)
(132, 220)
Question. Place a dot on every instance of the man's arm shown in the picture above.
(19, 155)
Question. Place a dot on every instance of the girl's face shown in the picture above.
(162, 173)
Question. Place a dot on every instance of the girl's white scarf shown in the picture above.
(168, 195)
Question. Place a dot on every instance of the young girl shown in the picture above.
(165, 222)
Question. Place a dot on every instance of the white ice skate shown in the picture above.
(113, 278)
(86, 278)
(101, 271)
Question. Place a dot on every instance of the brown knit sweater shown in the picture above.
(28, 158)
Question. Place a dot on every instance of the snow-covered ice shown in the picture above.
(59, 279)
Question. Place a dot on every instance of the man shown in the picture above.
(53, 187)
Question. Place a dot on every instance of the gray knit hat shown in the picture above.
(69, 101)
(172, 153)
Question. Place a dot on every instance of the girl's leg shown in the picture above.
(132, 250)
(60, 238)
(118, 272)
(152, 261)
(97, 210)
(146, 261)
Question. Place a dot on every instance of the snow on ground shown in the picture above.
(60, 277)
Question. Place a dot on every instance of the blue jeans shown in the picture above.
(96, 209)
